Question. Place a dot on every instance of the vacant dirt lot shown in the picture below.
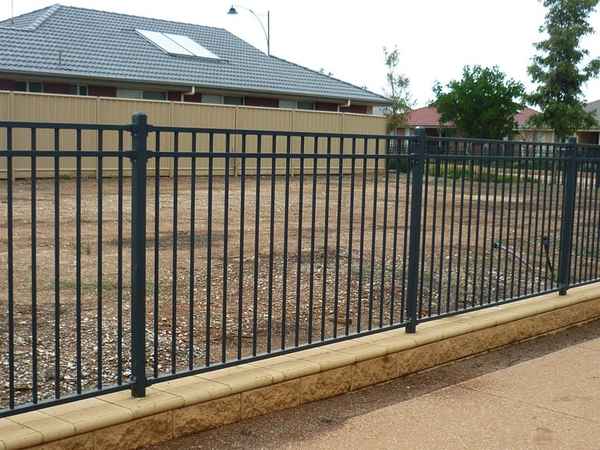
(322, 258)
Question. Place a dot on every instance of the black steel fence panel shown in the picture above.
(497, 235)
(62, 290)
(135, 254)
(267, 284)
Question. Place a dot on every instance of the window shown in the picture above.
(28, 86)
(288, 104)
(139, 94)
(233, 100)
(153, 95)
(306, 105)
(35, 87)
(82, 90)
(215, 99)
(176, 44)
(130, 93)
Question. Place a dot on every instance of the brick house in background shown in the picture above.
(76, 51)
(591, 136)
(429, 118)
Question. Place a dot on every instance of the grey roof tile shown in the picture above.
(29, 21)
(105, 45)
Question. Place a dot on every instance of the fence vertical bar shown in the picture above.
(566, 231)
(139, 130)
(417, 157)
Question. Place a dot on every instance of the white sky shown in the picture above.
(436, 38)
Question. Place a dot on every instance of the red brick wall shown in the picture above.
(260, 101)
(102, 91)
(174, 96)
(7, 85)
(322, 106)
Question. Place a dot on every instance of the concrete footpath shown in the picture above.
(541, 394)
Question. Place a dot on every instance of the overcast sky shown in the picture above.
(436, 38)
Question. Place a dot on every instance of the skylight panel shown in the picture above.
(164, 43)
(176, 44)
(192, 46)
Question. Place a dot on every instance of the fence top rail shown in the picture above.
(283, 133)
(511, 142)
(492, 141)
(64, 126)
(589, 146)
(277, 133)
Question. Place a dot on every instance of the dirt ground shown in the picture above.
(344, 267)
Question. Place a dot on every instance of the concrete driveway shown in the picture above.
(542, 394)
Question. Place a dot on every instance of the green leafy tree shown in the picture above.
(560, 69)
(397, 91)
(482, 104)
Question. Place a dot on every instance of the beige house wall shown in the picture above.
(50, 108)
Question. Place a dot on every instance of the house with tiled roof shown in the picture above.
(591, 136)
(430, 119)
(76, 51)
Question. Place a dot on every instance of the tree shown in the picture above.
(397, 91)
(482, 104)
(559, 69)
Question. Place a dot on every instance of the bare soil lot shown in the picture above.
(328, 261)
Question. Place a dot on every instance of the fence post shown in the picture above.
(416, 159)
(566, 232)
(139, 134)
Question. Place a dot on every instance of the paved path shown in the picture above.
(543, 394)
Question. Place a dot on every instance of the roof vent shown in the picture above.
(176, 44)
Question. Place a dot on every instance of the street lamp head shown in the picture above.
(267, 30)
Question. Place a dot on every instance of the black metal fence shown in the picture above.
(260, 243)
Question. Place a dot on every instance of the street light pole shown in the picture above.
(267, 31)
